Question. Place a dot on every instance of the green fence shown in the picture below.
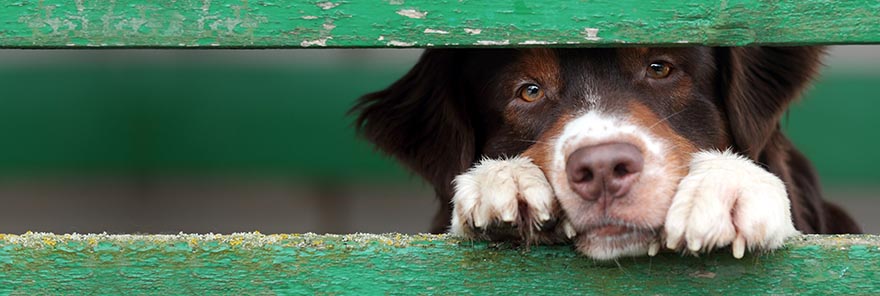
(366, 264)
(359, 264)
(398, 23)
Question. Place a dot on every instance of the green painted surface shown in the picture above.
(365, 264)
(398, 23)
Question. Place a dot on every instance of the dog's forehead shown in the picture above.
(579, 72)
(567, 57)
(564, 62)
(611, 56)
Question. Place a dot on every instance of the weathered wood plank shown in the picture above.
(424, 23)
(365, 264)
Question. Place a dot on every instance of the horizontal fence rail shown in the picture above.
(426, 23)
(367, 264)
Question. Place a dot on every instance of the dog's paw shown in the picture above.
(507, 199)
(727, 199)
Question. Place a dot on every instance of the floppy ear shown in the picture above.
(758, 85)
(422, 119)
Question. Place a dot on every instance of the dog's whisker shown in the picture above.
(533, 141)
(666, 118)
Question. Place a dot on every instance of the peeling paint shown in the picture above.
(473, 31)
(249, 23)
(432, 31)
(493, 42)
(329, 26)
(380, 38)
(319, 42)
(537, 42)
(369, 264)
(327, 5)
(412, 13)
(703, 274)
(400, 43)
(592, 34)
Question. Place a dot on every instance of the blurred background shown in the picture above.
(164, 141)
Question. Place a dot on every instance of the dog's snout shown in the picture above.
(606, 170)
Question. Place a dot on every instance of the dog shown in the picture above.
(621, 151)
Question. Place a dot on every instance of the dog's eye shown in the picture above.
(659, 70)
(531, 93)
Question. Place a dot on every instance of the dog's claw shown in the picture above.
(569, 230)
(739, 247)
(479, 222)
(653, 248)
(672, 240)
(543, 217)
(695, 245)
(508, 215)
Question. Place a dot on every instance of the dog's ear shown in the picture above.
(422, 119)
(758, 83)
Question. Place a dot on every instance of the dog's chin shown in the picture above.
(611, 242)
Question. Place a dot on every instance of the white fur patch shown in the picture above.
(727, 199)
(492, 190)
(596, 128)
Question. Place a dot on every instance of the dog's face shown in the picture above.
(613, 130)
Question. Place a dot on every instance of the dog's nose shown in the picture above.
(606, 170)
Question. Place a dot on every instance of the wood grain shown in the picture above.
(428, 23)
(368, 264)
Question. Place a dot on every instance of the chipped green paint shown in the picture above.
(367, 264)
(424, 23)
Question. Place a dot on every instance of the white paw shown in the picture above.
(727, 199)
(502, 195)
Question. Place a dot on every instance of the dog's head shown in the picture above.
(612, 129)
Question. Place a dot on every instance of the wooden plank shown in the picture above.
(366, 264)
(425, 23)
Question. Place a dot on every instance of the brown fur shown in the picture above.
(457, 105)
(683, 147)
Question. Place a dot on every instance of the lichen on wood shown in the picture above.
(253, 263)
